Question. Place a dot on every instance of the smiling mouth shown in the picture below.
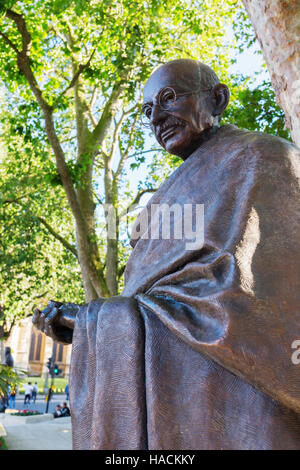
(168, 132)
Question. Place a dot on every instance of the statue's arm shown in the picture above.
(57, 320)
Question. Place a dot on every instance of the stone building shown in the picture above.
(31, 350)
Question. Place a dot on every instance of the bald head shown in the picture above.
(198, 101)
(187, 74)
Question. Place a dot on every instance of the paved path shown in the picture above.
(54, 434)
(49, 435)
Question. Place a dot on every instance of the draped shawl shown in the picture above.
(196, 353)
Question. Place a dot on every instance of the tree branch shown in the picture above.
(90, 107)
(23, 58)
(92, 117)
(98, 198)
(144, 151)
(21, 25)
(104, 122)
(121, 271)
(141, 193)
(40, 296)
(25, 68)
(62, 240)
(9, 42)
(137, 200)
(81, 68)
(117, 130)
(124, 155)
(60, 36)
(93, 98)
(12, 201)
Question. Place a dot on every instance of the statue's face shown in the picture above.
(177, 120)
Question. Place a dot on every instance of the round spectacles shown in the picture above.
(166, 100)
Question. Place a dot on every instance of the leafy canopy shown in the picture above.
(81, 54)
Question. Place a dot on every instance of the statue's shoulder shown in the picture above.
(269, 151)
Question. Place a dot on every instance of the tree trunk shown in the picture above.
(112, 266)
(277, 27)
(111, 197)
(89, 290)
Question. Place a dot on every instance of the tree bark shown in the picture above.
(111, 197)
(84, 191)
(89, 290)
(277, 27)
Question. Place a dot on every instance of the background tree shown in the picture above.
(254, 108)
(73, 73)
(277, 27)
(36, 261)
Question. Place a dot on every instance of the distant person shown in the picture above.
(8, 359)
(12, 397)
(28, 393)
(65, 410)
(35, 391)
(57, 412)
(67, 392)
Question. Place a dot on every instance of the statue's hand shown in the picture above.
(57, 320)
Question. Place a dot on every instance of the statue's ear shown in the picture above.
(221, 95)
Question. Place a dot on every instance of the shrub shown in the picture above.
(27, 413)
(3, 445)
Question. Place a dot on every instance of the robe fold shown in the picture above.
(196, 353)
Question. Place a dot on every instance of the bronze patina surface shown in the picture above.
(196, 351)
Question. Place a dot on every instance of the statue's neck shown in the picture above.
(206, 135)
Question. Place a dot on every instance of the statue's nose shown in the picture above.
(158, 114)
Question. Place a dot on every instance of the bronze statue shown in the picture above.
(196, 351)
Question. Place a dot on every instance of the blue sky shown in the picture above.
(250, 63)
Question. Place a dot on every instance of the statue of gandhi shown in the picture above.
(183, 104)
(197, 351)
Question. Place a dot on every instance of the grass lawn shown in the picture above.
(59, 384)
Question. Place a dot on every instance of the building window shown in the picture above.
(36, 344)
(58, 352)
